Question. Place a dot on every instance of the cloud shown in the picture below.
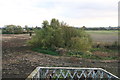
(74, 12)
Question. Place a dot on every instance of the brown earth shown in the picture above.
(18, 61)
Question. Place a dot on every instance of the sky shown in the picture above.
(78, 13)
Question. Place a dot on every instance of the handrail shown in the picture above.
(37, 72)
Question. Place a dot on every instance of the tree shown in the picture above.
(55, 23)
(61, 36)
(13, 29)
(18, 29)
(45, 24)
(10, 28)
(84, 27)
(27, 29)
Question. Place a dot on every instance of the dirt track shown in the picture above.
(19, 61)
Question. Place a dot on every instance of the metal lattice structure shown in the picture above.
(70, 73)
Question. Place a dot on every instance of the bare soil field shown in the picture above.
(18, 61)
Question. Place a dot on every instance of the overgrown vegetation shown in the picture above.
(57, 35)
(57, 38)
(12, 29)
(105, 50)
(46, 51)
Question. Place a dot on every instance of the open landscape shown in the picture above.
(19, 60)
(59, 39)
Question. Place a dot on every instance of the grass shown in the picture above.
(85, 55)
(93, 56)
(106, 53)
(78, 54)
(46, 51)
(104, 50)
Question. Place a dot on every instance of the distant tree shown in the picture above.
(13, 29)
(36, 27)
(10, 28)
(32, 28)
(45, 24)
(18, 29)
(27, 29)
(84, 27)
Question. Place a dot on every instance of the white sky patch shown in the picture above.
(89, 13)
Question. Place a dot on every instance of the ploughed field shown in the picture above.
(19, 61)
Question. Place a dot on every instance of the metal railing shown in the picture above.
(70, 73)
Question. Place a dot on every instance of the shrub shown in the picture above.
(61, 36)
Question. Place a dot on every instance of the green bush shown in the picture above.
(58, 35)
(46, 51)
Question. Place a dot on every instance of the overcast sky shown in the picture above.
(78, 13)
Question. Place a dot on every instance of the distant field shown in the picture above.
(103, 36)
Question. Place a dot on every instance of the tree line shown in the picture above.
(16, 29)
(101, 28)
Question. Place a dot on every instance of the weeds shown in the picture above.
(99, 56)
(46, 51)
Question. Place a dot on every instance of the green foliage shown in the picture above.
(80, 44)
(83, 55)
(100, 49)
(105, 53)
(12, 29)
(18, 30)
(59, 35)
(45, 24)
(76, 39)
(27, 29)
(54, 23)
(46, 38)
(46, 51)
(92, 56)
